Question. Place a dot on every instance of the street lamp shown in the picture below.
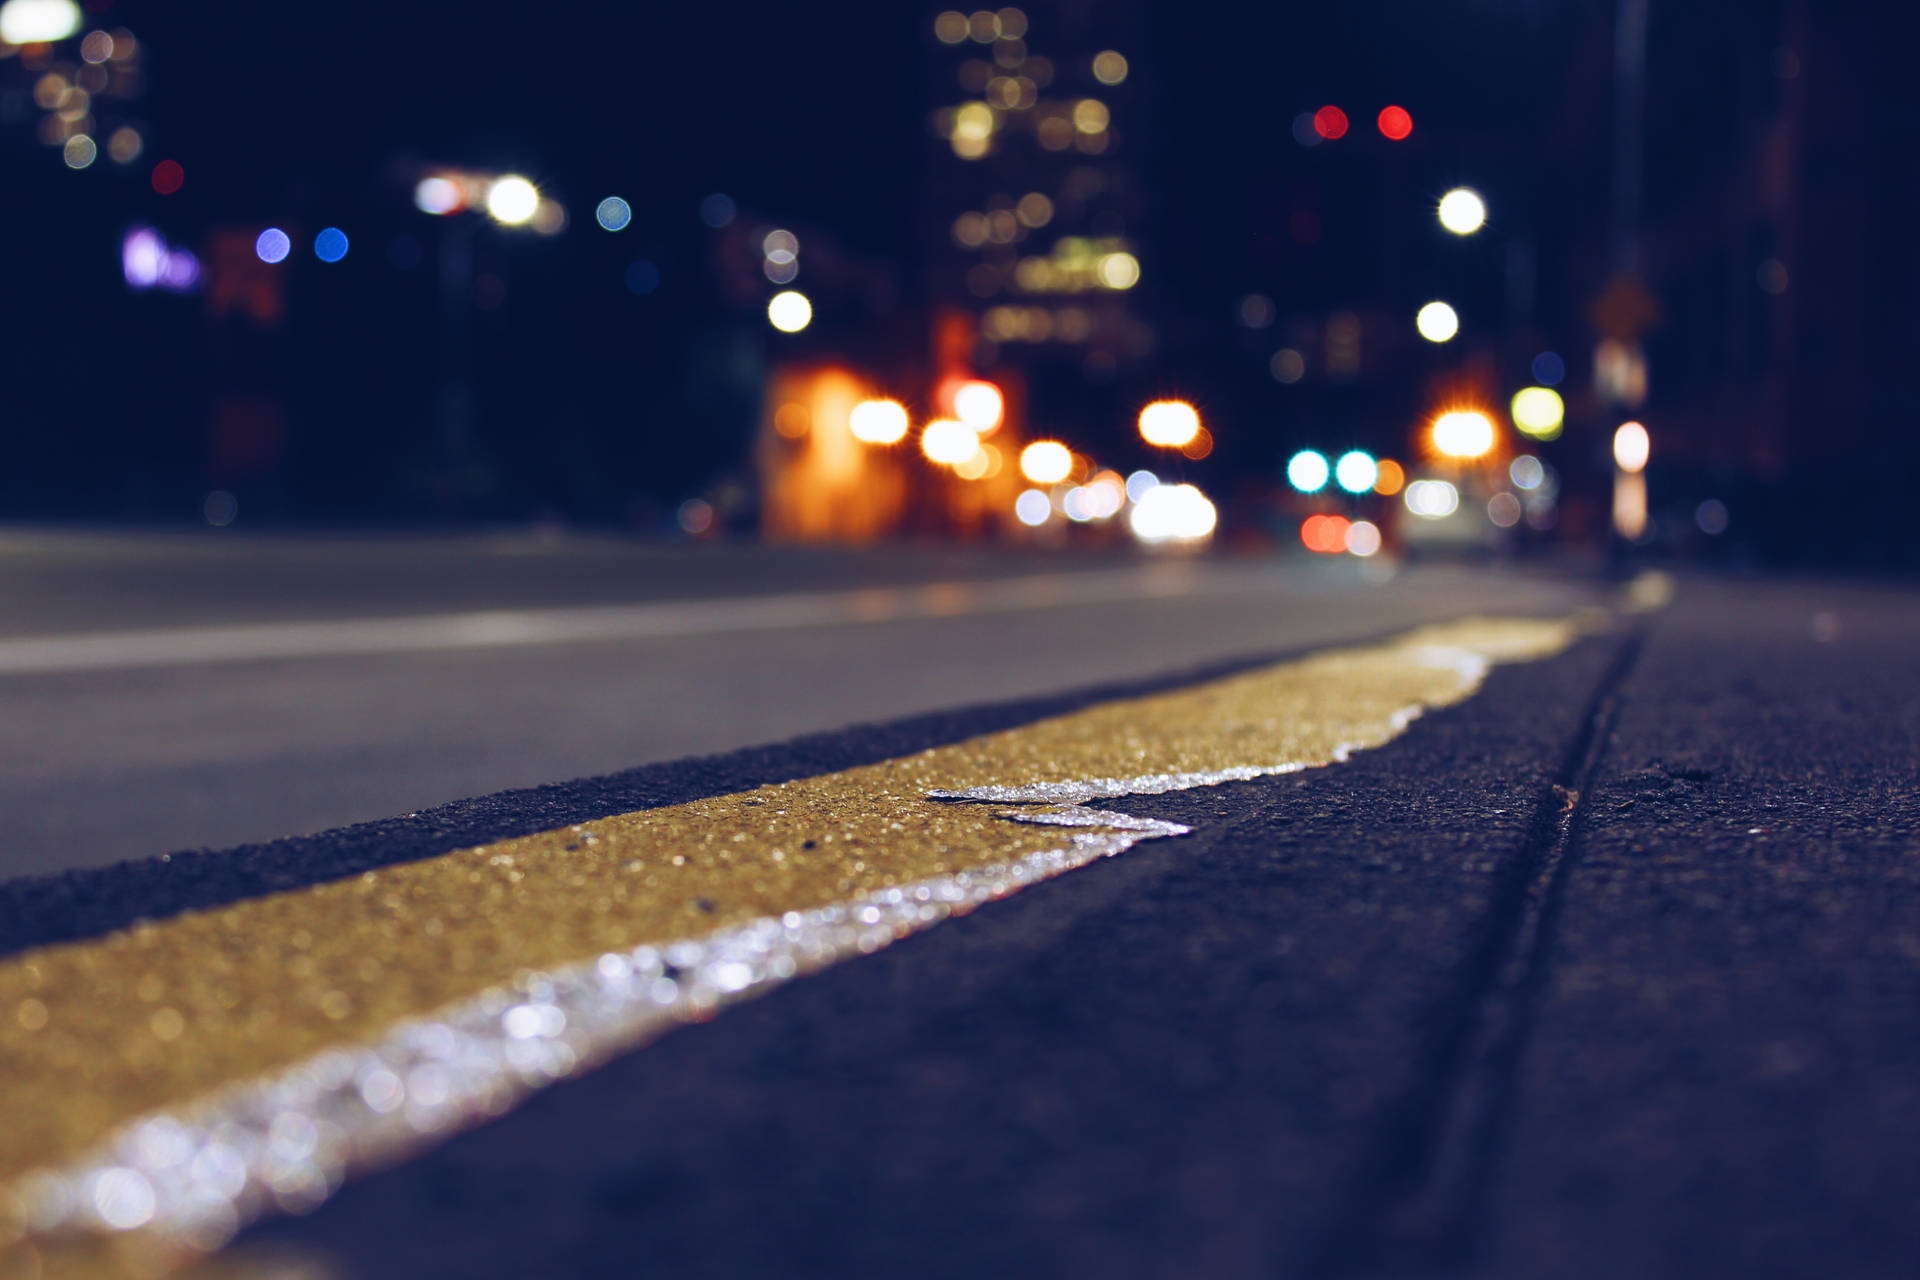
(1170, 424)
(949, 442)
(878, 422)
(1046, 462)
(1463, 433)
(1462, 211)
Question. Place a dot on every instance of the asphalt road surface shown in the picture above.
(161, 693)
(1611, 967)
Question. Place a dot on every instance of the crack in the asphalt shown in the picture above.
(1417, 1204)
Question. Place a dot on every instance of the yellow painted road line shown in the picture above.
(175, 1078)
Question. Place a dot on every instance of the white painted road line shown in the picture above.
(257, 642)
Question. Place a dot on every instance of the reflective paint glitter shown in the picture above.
(391, 1009)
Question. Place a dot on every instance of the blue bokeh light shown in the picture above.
(330, 245)
(613, 213)
(717, 210)
(643, 277)
(273, 245)
(1549, 369)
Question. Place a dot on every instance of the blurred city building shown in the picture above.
(1759, 311)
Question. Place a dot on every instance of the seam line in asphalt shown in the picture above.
(1418, 1193)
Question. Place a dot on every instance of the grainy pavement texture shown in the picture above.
(1609, 968)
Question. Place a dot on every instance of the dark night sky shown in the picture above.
(299, 114)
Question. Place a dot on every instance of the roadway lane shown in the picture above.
(612, 655)
(1609, 970)
(1606, 969)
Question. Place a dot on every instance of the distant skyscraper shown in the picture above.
(1036, 198)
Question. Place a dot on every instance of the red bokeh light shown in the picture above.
(167, 177)
(1330, 123)
(1395, 123)
(1324, 533)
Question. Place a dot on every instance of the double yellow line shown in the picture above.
(171, 1080)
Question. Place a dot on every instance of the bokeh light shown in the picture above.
(512, 201)
(438, 196)
(613, 213)
(789, 311)
(1437, 322)
(1463, 433)
(980, 405)
(981, 463)
(695, 516)
(1324, 533)
(1363, 538)
(780, 246)
(1432, 499)
(879, 421)
(949, 441)
(1046, 462)
(1356, 471)
(717, 210)
(1170, 424)
(642, 278)
(168, 177)
(1330, 122)
(1503, 509)
(143, 257)
(1711, 517)
(330, 245)
(1391, 480)
(1033, 508)
(1395, 124)
(1139, 482)
(1308, 471)
(1119, 270)
(1538, 412)
(125, 144)
(1287, 366)
(79, 151)
(1527, 472)
(1172, 513)
(1462, 211)
(1103, 496)
(1632, 447)
(1109, 67)
(1549, 368)
(38, 21)
(273, 245)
